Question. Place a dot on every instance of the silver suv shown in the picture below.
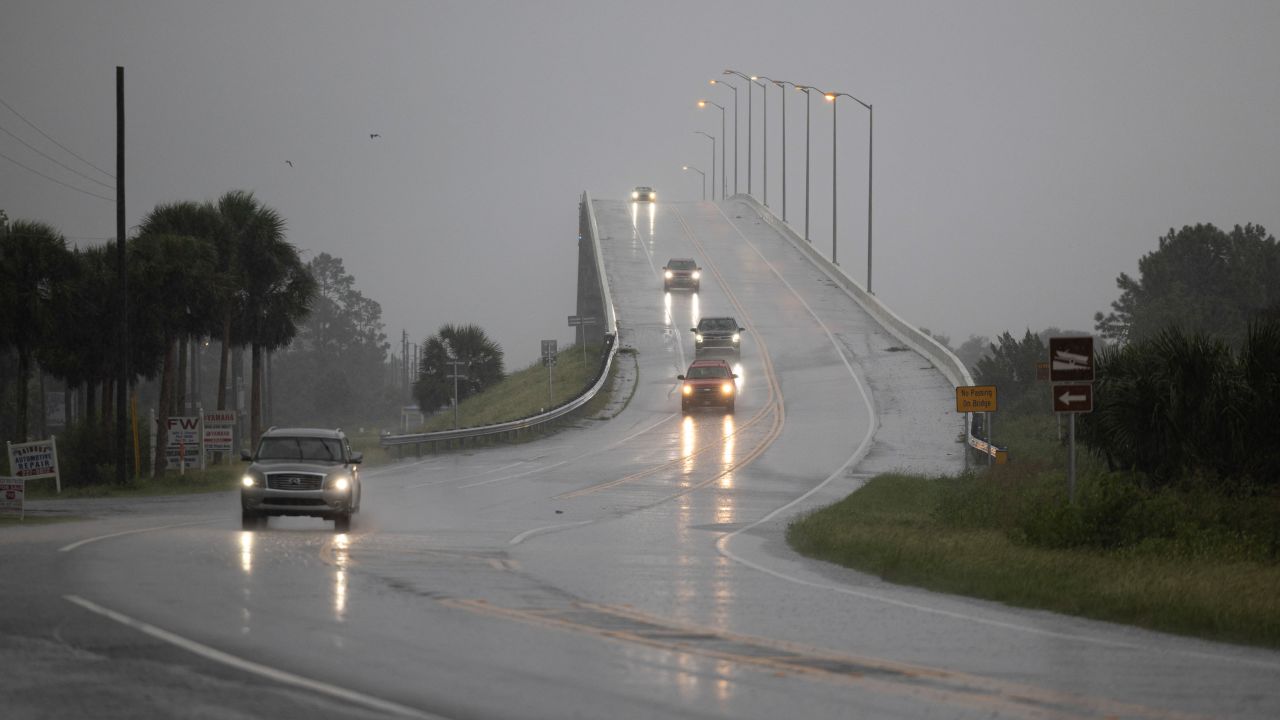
(301, 471)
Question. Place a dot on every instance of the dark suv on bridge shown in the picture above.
(718, 334)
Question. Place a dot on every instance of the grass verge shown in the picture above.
(524, 393)
(926, 532)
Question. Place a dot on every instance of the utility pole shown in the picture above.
(122, 306)
(455, 375)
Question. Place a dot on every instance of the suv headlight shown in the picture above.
(340, 483)
(698, 337)
(248, 481)
(736, 337)
(686, 389)
(726, 388)
(635, 195)
(697, 274)
(668, 274)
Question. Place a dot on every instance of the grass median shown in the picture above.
(1210, 571)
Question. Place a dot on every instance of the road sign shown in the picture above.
(1042, 371)
(548, 348)
(1071, 359)
(976, 398)
(1076, 398)
(576, 320)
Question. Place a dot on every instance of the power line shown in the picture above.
(46, 177)
(54, 160)
(55, 142)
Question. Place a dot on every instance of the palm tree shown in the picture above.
(33, 259)
(275, 288)
(78, 348)
(468, 343)
(201, 222)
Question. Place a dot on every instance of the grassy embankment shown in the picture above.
(1191, 560)
(520, 394)
(524, 393)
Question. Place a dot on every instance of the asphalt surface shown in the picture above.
(630, 567)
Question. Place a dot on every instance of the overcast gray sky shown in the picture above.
(1025, 153)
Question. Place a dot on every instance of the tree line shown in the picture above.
(1187, 368)
(219, 269)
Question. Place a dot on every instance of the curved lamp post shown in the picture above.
(712, 138)
(782, 85)
(723, 186)
(751, 81)
(735, 132)
(831, 97)
(806, 89)
(704, 178)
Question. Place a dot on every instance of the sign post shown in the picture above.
(549, 359)
(979, 398)
(1071, 371)
(12, 496)
(36, 460)
(219, 432)
(579, 321)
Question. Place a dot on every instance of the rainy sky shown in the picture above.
(1025, 153)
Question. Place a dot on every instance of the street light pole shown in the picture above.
(782, 85)
(764, 94)
(735, 133)
(723, 182)
(704, 179)
(805, 89)
(713, 163)
(870, 166)
(831, 98)
(751, 81)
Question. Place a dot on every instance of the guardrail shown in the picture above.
(942, 358)
(516, 426)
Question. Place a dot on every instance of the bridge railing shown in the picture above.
(942, 358)
(516, 426)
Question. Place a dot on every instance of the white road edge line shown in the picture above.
(858, 454)
(535, 471)
(549, 528)
(86, 541)
(249, 666)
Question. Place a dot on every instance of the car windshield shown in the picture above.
(718, 324)
(681, 265)
(300, 448)
(708, 371)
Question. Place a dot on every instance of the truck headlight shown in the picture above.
(698, 337)
(635, 195)
(737, 337)
(697, 274)
(668, 274)
(686, 389)
(726, 388)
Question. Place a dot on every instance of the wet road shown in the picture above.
(630, 567)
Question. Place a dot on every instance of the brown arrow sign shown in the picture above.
(1073, 398)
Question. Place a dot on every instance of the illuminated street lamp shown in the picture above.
(712, 138)
(831, 97)
(723, 185)
(751, 81)
(704, 179)
(735, 131)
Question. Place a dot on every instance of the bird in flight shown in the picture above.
(374, 135)
(290, 162)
